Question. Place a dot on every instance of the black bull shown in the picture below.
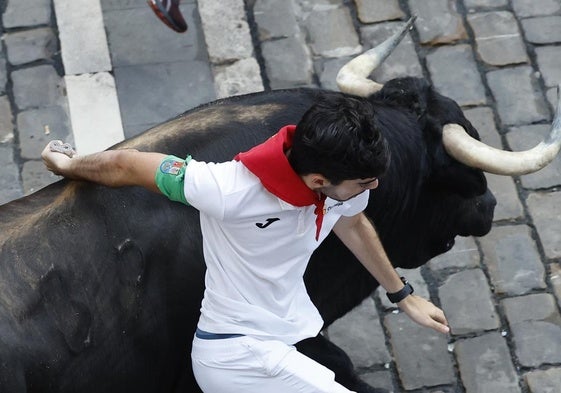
(100, 288)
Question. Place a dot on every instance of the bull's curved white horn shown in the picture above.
(476, 154)
(353, 76)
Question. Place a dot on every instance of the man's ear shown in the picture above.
(315, 181)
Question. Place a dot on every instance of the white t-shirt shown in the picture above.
(256, 248)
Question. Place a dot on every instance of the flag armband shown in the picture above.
(170, 178)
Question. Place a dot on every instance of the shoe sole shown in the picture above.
(163, 15)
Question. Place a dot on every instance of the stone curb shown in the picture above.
(92, 96)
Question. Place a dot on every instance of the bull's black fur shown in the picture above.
(100, 288)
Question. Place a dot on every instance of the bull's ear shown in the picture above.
(407, 92)
(446, 172)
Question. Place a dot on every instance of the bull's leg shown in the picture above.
(331, 356)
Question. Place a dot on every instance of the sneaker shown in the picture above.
(168, 12)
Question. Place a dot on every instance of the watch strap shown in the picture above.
(398, 296)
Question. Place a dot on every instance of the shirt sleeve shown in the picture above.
(208, 185)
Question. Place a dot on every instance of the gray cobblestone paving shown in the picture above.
(485, 364)
(447, 65)
(499, 58)
(32, 96)
(512, 260)
(467, 298)
(497, 38)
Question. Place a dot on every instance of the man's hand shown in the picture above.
(424, 313)
(56, 156)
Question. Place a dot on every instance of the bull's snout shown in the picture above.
(484, 210)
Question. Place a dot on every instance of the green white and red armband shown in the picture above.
(170, 178)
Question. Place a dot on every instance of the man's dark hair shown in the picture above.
(339, 138)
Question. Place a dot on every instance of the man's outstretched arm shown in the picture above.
(359, 235)
(113, 168)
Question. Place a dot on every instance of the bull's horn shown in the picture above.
(479, 155)
(353, 76)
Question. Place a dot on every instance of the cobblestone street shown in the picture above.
(123, 71)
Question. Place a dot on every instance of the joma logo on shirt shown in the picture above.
(267, 223)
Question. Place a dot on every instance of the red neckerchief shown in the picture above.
(268, 162)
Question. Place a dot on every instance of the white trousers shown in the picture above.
(247, 365)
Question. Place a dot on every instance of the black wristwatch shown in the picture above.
(398, 296)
